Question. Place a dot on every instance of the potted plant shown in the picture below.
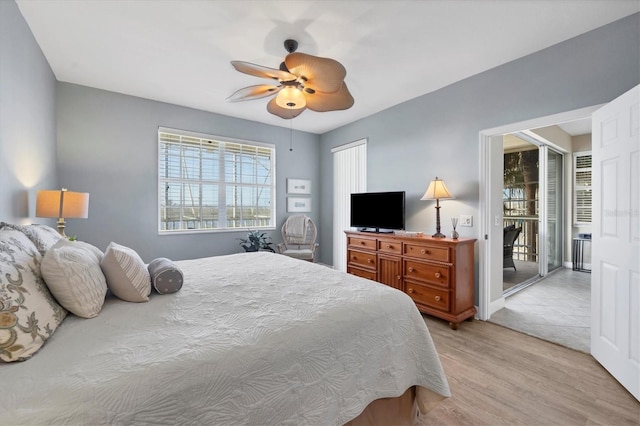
(256, 241)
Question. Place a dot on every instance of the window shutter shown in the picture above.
(582, 192)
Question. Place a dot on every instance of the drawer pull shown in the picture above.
(388, 246)
(410, 269)
(362, 242)
(423, 251)
(369, 261)
(410, 291)
(398, 277)
(437, 298)
(438, 274)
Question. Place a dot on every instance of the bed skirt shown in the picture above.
(402, 410)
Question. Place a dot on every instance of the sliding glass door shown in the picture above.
(533, 200)
(554, 212)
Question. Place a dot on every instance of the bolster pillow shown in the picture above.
(166, 277)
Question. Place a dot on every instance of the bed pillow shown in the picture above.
(72, 272)
(127, 276)
(28, 312)
(43, 236)
(166, 277)
(95, 251)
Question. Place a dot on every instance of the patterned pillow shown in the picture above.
(166, 277)
(43, 236)
(72, 272)
(28, 312)
(90, 248)
(127, 276)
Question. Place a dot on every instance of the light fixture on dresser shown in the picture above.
(437, 190)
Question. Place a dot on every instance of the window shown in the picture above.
(582, 188)
(208, 183)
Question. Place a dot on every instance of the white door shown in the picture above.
(615, 279)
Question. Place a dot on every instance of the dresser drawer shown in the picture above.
(428, 296)
(370, 275)
(389, 246)
(438, 254)
(365, 243)
(428, 272)
(362, 259)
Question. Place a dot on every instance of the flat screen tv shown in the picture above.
(377, 211)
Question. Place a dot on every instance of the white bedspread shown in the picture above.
(253, 338)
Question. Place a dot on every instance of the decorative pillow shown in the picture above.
(28, 312)
(72, 272)
(90, 248)
(43, 236)
(166, 277)
(127, 276)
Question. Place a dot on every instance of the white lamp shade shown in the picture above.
(436, 191)
(291, 98)
(62, 204)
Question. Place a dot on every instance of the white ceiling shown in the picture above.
(178, 51)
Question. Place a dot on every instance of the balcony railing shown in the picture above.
(526, 246)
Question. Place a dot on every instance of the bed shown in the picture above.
(251, 338)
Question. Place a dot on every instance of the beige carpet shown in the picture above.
(557, 309)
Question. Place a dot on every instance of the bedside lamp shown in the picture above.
(62, 204)
(437, 191)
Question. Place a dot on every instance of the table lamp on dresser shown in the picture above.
(437, 191)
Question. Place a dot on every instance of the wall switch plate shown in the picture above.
(466, 220)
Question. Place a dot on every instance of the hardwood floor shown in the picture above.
(501, 377)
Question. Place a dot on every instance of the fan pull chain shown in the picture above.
(291, 132)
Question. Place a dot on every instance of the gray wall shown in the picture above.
(108, 146)
(106, 142)
(27, 119)
(437, 134)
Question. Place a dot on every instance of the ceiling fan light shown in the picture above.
(291, 98)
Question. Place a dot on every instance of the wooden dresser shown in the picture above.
(437, 273)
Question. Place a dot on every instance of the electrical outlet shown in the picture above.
(466, 220)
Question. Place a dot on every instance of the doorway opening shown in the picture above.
(491, 293)
(536, 197)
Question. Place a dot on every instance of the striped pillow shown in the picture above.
(127, 276)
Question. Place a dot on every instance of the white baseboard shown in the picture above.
(496, 305)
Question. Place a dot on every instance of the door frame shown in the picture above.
(490, 297)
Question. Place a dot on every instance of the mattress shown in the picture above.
(251, 338)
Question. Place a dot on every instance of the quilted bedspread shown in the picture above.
(252, 338)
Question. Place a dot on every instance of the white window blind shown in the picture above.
(582, 191)
(349, 176)
(209, 183)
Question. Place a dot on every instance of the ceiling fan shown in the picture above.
(304, 81)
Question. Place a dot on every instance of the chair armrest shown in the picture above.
(281, 248)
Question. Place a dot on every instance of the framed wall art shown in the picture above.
(298, 205)
(298, 186)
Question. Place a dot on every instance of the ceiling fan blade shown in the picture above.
(264, 72)
(322, 74)
(254, 92)
(286, 113)
(322, 102)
